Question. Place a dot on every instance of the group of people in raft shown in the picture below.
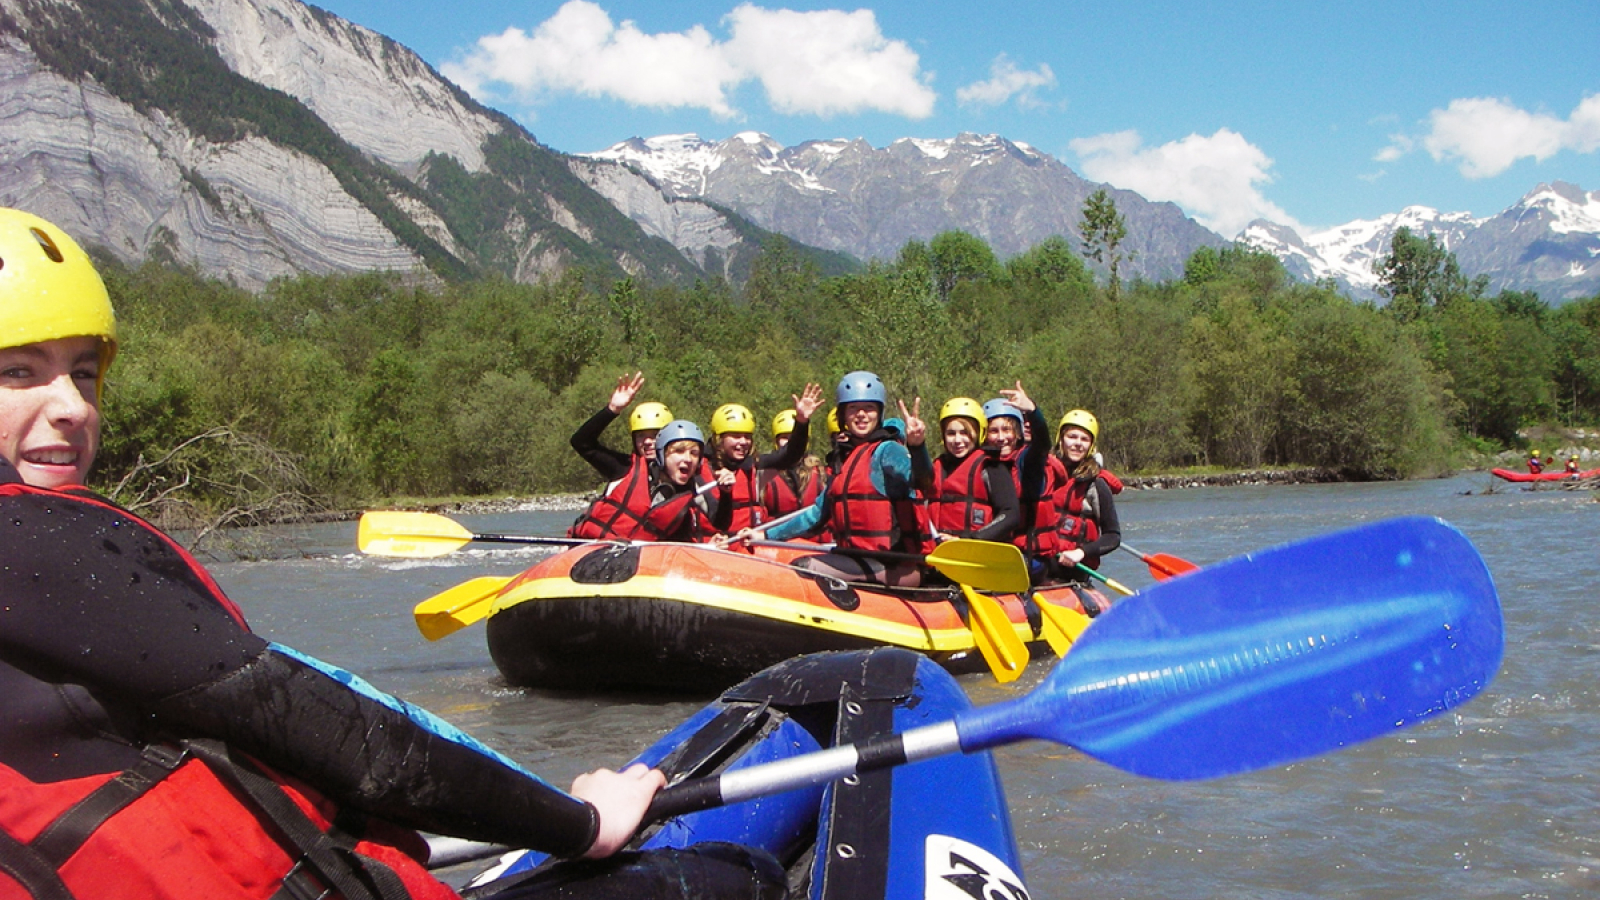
(1536, 465)
(998, 477)
(153, 746)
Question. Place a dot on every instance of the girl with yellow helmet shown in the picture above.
(970, 492)
(785, 490)
(1089, 526)
(739, 472)
(133, 684)
(643, 423)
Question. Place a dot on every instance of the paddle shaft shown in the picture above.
(892, 555)
(821, 767)
(1114, 585)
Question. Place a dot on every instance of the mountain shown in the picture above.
(849, 196)
(259, 138)
(1548, 243)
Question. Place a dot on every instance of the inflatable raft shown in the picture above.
(935, 829)
(691, 617)
(1509, 475)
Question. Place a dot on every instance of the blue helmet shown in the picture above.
(861, 387)
(677, 430)
(995, 409)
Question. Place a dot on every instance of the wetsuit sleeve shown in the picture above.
(1106, 516)
(586, 441)
(789, 455)
(93, 597)
(368, 750)
(1003, 499)
(922, 469)
(1035, 459)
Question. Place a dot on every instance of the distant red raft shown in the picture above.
(1509, 475)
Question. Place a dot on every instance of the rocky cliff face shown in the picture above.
(261, 138)
(136, 183)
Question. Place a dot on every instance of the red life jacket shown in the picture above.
(781, 493)
(1039, 540)
(1080, 521)
(744, 496)
(174, 826)
(619, 514)
(960, 502)
(863, 518)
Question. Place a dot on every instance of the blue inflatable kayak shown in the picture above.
(935, 829)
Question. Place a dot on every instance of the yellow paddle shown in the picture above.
(448, 612)
(995, 637)
(423, 535)
(1062, 625)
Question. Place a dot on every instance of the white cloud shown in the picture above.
(820, 63)
(1212, 178)
(1007, 81)
(1485, 136)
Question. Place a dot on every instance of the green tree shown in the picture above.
(956, 257)
(1419, 274)
(1104, 230)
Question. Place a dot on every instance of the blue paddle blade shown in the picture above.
(1271, 657)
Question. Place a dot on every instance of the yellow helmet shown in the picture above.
(49, 288)
(732, 418)
(783, 423)
(1084, 419)
(650, 415)
(967, 408)
(833, 421)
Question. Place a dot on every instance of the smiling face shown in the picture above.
(49, 411)
(1005, 433)
(734, 446)
(960, 436)
(680, 461)
(861, 419)
(1076, 443)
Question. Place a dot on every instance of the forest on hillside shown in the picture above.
(340, 391)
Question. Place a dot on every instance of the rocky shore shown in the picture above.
(1231, 479)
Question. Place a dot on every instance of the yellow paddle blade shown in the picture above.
(409, 535)
(995, 636)
(985, 565)
(448, 612)
(1062, 625)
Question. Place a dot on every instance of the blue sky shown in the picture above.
(1307, 114)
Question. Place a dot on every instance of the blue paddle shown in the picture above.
(1254, 662)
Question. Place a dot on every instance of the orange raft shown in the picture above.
(694, 618)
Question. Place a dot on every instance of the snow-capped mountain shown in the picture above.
(849, 196)
(1346, 253)
(1548, 242)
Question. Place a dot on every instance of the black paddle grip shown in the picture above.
(687, 797)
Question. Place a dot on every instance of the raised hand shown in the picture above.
(1018, 397)
(627, 387)
(807, 403)
(916, 429)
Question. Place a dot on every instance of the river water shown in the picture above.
(1499, 800)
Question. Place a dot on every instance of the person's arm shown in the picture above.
(1003, 499)
(1035, 458)
(922, 468)
(610, 463)
(1106, 517)
(94, 597)
(805, 521)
